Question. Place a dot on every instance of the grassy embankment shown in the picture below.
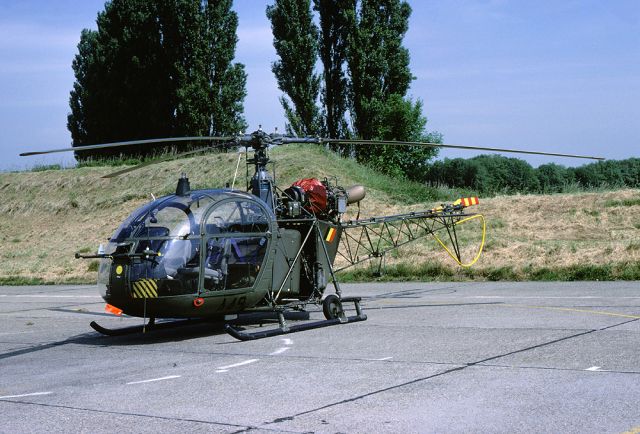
(47, 215)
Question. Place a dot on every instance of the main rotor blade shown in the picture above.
(439, 145)
(130, 143)
(290, 140)
(159, 160)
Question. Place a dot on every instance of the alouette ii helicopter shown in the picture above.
(216, 253)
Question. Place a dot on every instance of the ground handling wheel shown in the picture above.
(332, 307)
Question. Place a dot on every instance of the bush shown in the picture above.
(495, 174)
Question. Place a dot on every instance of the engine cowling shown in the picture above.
(321, 197)
(315, 200)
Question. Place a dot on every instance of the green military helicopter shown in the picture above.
(216, 253)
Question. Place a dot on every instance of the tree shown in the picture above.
(378, 63)
(335, 19)
(156, 69)
(486, 174)
(456, 172)
(228, 81)
(506, 175)
(553, 178)
(295, 39)
(403, 121)
(366, 77)
(380, 78)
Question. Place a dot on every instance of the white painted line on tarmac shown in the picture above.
(593, 368)
(235, 365)
(287, 341)
(25, 395)
(279, 351)
(383, 359)
(170, 377)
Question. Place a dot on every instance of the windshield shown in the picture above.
(169, 216)
(133, 222)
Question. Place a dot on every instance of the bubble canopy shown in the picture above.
(206, 240)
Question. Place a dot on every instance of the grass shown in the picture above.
(297, 159)
(44, 167)
(33, 281)
(436, 272)
(21, 281)
(591, 272)
(110, 162)
(623, 203)
(48, 215)
(422, 272)
(633, 246)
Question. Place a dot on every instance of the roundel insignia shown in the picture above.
(119, 269)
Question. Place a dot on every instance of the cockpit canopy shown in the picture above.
(209, 239)
(182, 216)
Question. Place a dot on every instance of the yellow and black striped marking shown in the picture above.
(145, 288)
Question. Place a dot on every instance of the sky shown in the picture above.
(552, 76)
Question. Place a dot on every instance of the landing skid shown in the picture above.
(141, 328)
(332, 307)
(340, 318)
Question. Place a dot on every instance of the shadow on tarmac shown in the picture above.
(164, 332)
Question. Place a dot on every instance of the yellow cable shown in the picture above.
(484, 232)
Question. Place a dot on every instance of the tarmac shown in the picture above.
(432, 357)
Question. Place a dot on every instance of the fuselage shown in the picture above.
(212, 252)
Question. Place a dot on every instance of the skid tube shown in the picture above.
(285, 329)
(152, 325)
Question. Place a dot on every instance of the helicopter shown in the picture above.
(219, 252)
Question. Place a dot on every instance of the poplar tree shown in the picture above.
(295, 38)
(336, 17)
(156, 69)
(380, 79)
(228, 80)
(365, 76)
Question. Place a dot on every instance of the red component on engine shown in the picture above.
(316, 192)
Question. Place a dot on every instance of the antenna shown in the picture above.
(237, 166)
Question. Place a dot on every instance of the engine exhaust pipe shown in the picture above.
(355, 194)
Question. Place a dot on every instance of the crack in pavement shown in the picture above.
(411, 292)
(448, 371)
(244, 428)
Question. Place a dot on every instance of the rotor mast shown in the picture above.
(262, 182)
